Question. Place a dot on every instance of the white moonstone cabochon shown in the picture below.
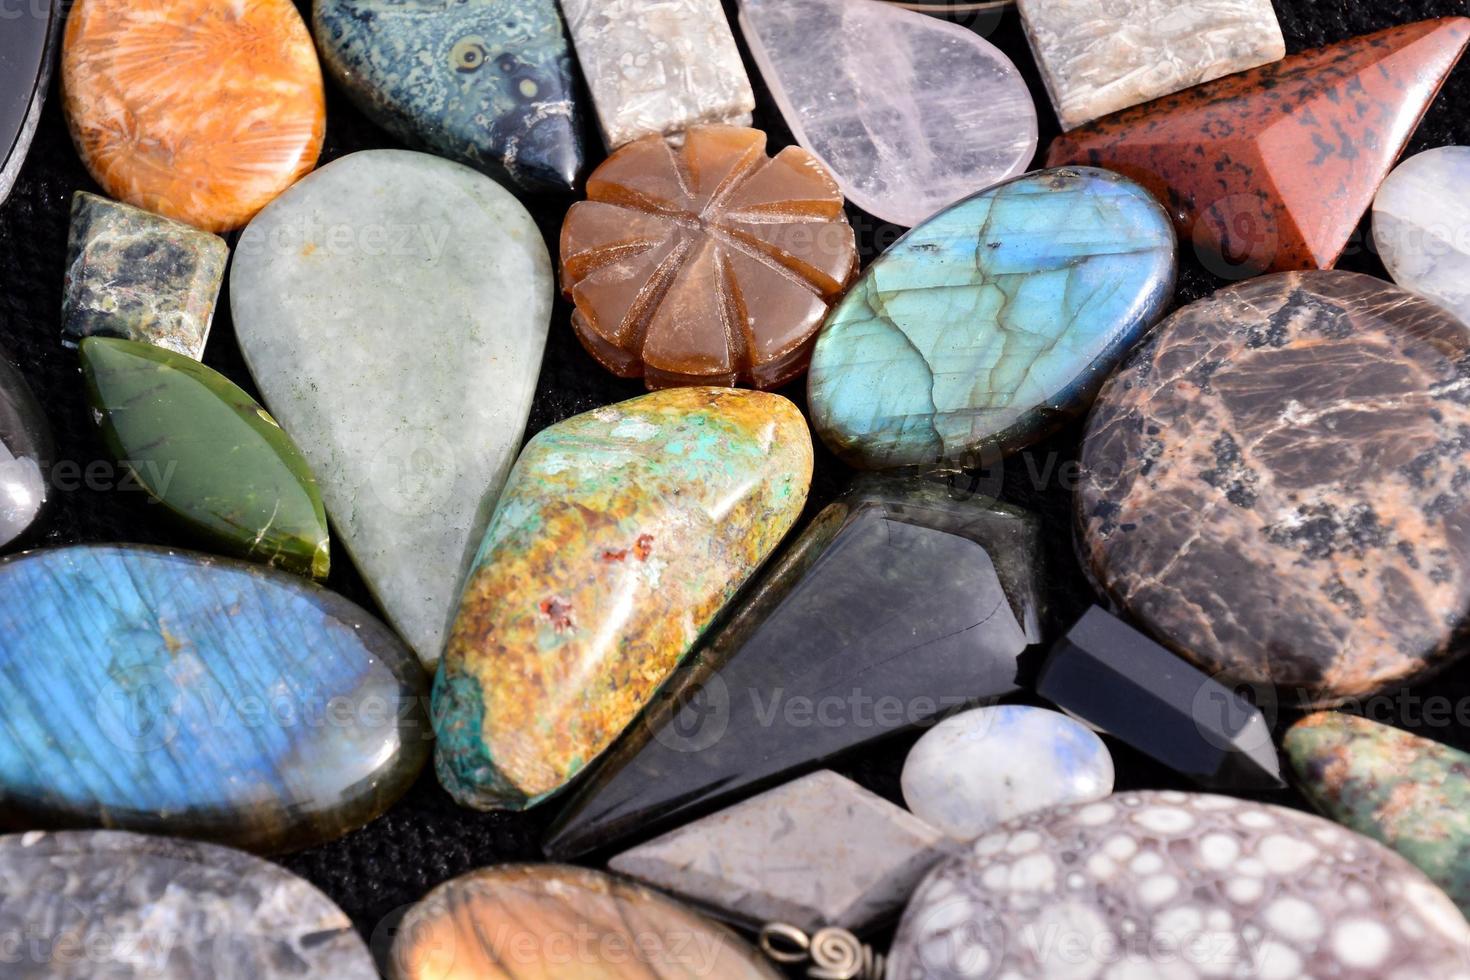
(1421, 226)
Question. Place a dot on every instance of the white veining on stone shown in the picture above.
(1421, 226)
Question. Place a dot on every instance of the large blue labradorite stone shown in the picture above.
(150, 690)
(982, 329)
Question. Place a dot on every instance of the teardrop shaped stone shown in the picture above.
(620, 534)
(209, 453)
(104, 904)
(26, 451)
(162, 691)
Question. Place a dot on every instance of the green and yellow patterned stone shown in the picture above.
(1411, 793)
(619, 536)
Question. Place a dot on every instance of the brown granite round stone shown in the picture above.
(1274, 485)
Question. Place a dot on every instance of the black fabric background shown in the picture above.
(424, 840)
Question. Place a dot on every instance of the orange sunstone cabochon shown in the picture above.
(200, 110)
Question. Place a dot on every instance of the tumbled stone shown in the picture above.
(706, 264)
(976, 770)
(488, 83)
(393, 309)
(988, 325)
(103, 905)
(139, 276)
(197, 110)
(851, 626)
(1271, 169)
(198, 697)
(619, 536)
(1183, 886)
(1421, 226)
(27, 50)
(547, 922)
(26, 453)
(209, 453)
(657, 70)
(1097, 58)
(1272, 487)
(951, 117)
(1408, 792)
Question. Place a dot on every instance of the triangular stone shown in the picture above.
(26, 52)
(1271, 169)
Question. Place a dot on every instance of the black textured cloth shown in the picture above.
(426, 839)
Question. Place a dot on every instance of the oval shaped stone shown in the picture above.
(209, 453)
(93, 904)
(1273, 486)
(27, 50)
(199, 697)
(1419, 221)
(193, 109)
(979, 769)
(981, 330)
(621, 533)
(1178, 885)
(26, 450)
(547, 921)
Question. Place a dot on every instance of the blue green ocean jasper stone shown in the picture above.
(982, 329)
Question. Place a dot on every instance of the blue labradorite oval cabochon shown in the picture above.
(145, 689)
(982, 329)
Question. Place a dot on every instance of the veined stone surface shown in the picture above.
(659, 68)
(620, 534)
(1421, 226)
(911, 113)
(27, 50)
(1097, 58)
(488, 83)
(103, 905)
(393, 309)
(199, 697)
(1182, 886)
(985, 327)
(26, 452)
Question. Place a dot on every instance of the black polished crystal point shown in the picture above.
(899, 602)
(25, 454)
(1126, 685)
(28, 32)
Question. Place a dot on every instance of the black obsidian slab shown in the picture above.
(25, 455)
(28, 32)
(900, 601)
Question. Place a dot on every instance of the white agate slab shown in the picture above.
(1421, 226)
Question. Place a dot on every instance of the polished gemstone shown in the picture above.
(1273, 487)
(1126, 685)
(706, 264)
(619, 536)
(488, 83)
(548, 922)
(977, 770)
(900, 601)
(1097, 58)
(195, 109)
(89, 905)
(139, 276)
(659, 69)
(819, 851)
(27, 49)
(1271, 169)
(393, 308)
(209, 453)
(986, 326)
(1182, 886)
(1408, 792)
(951, 117)
(1421, 226)
(26, 453)
(198, 697)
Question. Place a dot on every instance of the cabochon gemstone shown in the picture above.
(548, 922)
(197, 110)
(1421, 226)
(139, 276)
(951, 116)
(985, 327)
(1178, 885)
(620, 534)
(1405, 791)
(209, 453)
(485, 82)
(1271, 169)
(393, 309)
(27, 51)
(154, 908)
(1271, 488)
(26, 453)
(198, 697)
